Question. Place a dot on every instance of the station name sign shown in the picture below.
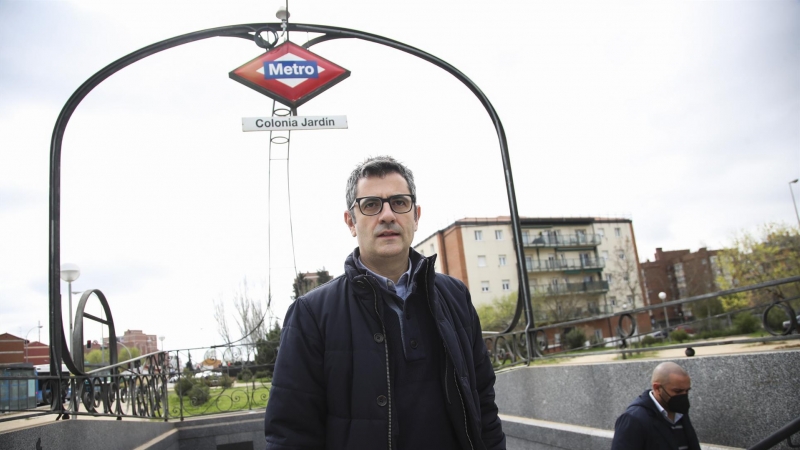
(286, 123)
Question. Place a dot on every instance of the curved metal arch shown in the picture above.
(77, 332)
(58, 352)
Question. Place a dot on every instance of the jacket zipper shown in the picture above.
(386, 351)
(455, 376)
(463, 408)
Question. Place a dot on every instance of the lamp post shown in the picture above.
(794, 202)
(69, 273)
(161, 338)
(663, 297)
(26, 340)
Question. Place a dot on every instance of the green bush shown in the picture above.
(245, 375)
(262, 374)
(184, 385)
(647, 341)
(679, 336)
(746, 323)
(225, 381)
(576, 338)
(595, 341)
(198, 394)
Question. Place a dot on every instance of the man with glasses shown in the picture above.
(659, 418)
(390, 354)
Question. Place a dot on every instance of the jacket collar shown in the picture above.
(422, 265)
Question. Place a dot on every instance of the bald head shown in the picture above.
(662, 372)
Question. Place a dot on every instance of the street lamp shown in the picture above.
(663, 296)
(794, 202)
(161, 338)
(26, 340)
(69, 273)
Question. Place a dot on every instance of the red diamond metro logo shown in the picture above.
(290, 74)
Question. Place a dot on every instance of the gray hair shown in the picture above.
(377, 166)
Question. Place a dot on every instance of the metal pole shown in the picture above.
(794, 202)
(69, 286)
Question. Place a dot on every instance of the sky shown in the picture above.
(683, 116)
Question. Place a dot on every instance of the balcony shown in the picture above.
(556, 265)
(565, 240)
(542, 315)
(586, 287)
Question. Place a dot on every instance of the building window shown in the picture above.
(557, 339)
(484, 286)
(422, 252)
(526, 237)
(498, 234)
(609, 278)
(478, 235)
(621, 254)
(630, 300)
(601, 232)
(506, 285)
(528, 263)
(605, 255)
(617, 232)
(598, 335)
(481, 261)
(432, 249)
(501, 260)
(612, 300)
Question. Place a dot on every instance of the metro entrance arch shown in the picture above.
(58, 348)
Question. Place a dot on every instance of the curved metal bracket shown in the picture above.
(77, 331)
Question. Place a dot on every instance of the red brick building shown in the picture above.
(13, 350)
(679, 274)
(146, 343)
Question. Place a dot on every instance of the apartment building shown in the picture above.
(576, 267)
(679, 274)
(146, 343)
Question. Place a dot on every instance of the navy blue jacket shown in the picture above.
(331, 387)
(642, 427)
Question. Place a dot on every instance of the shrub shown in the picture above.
(198, 394)
(576, 338)
(647, 341)
(595, 341)
(245, 375)
(184, 385)
(262, 374)
(746, 323)
(679, 336)
(226, 381)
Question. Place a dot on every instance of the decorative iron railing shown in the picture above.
(511, 349)
(584, 287)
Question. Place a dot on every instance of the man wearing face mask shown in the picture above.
(659, 418)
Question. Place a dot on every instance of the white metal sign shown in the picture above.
(282, 123)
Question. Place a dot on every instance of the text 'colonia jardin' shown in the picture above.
(294, 123)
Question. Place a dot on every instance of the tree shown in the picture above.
(751, 259)
(497, 316)
(267, 348)
(251, 318)
(625, 271)
(305, 282)
(559, 306)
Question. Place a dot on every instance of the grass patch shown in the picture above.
(221, 400)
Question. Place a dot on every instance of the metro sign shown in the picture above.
(290, 74)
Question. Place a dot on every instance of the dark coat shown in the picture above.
(642, 427)
(331, 386)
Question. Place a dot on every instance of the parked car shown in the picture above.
(788, 323)
(686, 328)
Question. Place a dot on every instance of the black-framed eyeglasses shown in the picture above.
(371, 206)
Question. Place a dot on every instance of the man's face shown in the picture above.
(677, 385)
(387, 235)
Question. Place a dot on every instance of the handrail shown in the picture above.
(775, 438)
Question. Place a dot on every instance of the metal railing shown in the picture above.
(562, 240)
(583, 287)
(556, 265)
(511, 349)
(153, 386)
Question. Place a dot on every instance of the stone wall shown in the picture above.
(737, 400)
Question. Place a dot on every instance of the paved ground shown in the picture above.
(699, 351)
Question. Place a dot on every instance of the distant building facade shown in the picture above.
(679, 274)
(146, 343)
(576, 267)
(14, 350)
